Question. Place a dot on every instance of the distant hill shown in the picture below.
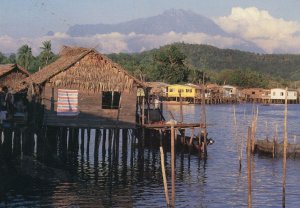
(179, 21)
(207, 57)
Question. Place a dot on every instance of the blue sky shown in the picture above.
(272, 25)
(37, 17)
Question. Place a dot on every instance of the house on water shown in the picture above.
(278, 95)
(188, 92)
(84, 88)
(11, 74)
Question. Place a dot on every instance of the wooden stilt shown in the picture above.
(173, 164)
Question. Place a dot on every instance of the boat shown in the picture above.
(268, 147)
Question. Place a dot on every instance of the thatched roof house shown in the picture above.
(83, 88)
(11, 74)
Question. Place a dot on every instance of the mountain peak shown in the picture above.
(177, 12)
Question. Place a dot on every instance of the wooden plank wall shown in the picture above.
(91, 113)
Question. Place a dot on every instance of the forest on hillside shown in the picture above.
(182, 63)
(220, 66)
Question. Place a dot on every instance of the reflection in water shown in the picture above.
(109, 168)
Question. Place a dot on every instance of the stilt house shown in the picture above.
(11, 74)
(83, 88)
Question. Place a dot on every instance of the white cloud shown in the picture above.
(115, 42)
(270, 33)
(248, 26)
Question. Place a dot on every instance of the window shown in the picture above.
(281, 94)
(171, 90)
(180, 90)
(110, 100)
(274, 93)
(188, 90)
(253, 93)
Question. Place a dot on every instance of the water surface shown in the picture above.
(125, 176)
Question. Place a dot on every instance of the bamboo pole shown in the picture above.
(163, 170)
(203, 119)
(173, 163)
(267, 131)
(295, 146)
(249, 165)
(238, 145)
(192, 137)
(254, 124)
(285, 143)
(275, 141)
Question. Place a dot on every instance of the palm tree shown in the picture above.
(46, 53)
(24, 56)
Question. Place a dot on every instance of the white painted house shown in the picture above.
(278, 94)
(229, 91)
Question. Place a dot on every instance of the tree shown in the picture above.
(12, 59)
(243, 78)
(46, 54)
(24, 56)
(195, 76)
(169, 65)
(2, 58)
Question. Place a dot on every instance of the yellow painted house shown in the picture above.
(186, 91)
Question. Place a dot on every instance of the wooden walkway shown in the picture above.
(168, 125)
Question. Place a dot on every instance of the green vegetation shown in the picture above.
(221, 66)
(25, 58)
(180, 63)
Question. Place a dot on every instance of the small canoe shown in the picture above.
(267, 147)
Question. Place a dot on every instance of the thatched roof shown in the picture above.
(7, 68)
(85, 69)
(11, 75)
(156, 84)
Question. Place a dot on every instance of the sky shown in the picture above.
(28, 21)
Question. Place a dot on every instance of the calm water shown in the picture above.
(120, 178)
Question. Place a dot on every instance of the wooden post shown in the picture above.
(249, 165)
(143, 111)
(163, 170)
(88, 142)
(97, 142)
(82, 141)
(203, 119)
(104, 141)
(192, 137)
(173, 163)
(181, 111)
(285, 143)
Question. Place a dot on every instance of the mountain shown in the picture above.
(179, 21)
(152, 32)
